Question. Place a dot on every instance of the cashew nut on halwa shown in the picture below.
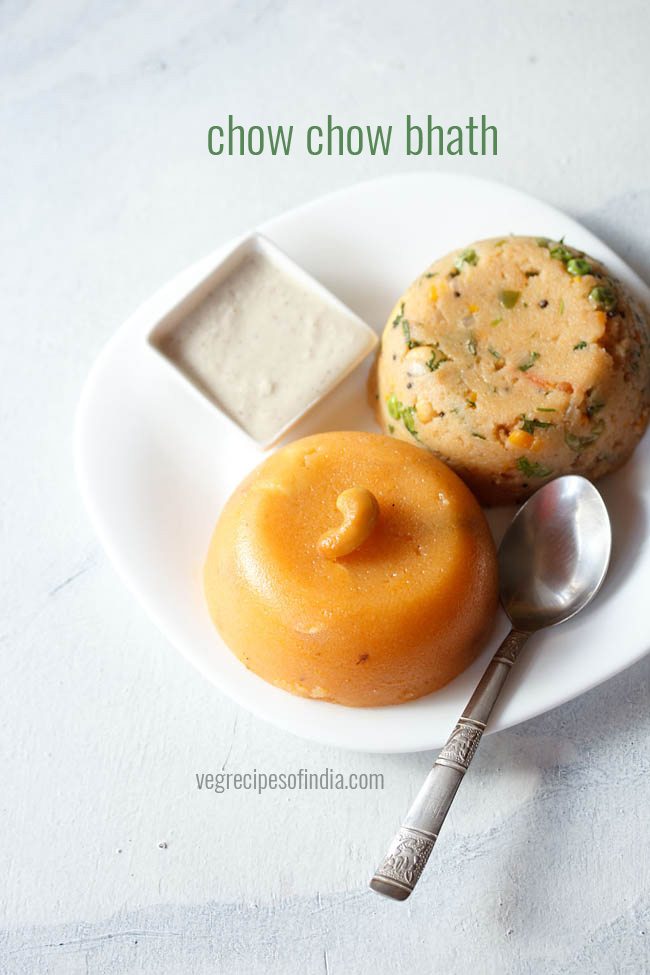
(360, 511)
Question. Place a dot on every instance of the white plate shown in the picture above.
(156, 463)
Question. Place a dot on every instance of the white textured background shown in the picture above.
(107, 189)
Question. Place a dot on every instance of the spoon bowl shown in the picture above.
(554, 556)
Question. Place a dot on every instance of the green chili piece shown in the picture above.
(408, 420)
(394, 406)
(509, 298)
(404, 413)
(468, 256)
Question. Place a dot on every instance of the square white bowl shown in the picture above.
(256, 244)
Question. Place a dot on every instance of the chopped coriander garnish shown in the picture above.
(561, 306)
(478, 435)
(534, 424)
(603, 296)
(496, 321)
(543, 241)
(530, 468)
(545, 409)
(391, 428)
(468, 256)
(431, 274)
(578, 266)
(437, 358)
(575, 442)
(471, 404)
(399, 319)
(499, 243)
(411, 343)
(529, 362)
(494, 352)
(471, 345)
(580, 345)
(509, 298)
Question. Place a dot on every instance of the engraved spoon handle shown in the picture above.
(400, 870)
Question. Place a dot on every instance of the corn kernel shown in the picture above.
(519, 438)
(433, 293)
(473, 308)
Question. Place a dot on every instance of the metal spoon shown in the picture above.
(552, 562)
